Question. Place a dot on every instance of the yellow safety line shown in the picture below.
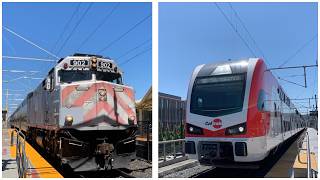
(40, 166)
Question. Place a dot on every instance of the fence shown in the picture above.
(171, 151)
(21, 158)
(144, 140)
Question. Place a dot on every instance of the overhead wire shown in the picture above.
(134, 48)
(124, 34)
(298, 51)
(104, 20)
(66, 26)
(234, 29)
(30, 42)
(28, 58)
(246, 29)
(75, 27)
(135, 56)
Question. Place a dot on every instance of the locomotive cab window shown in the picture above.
(68, 76)
(110, 77)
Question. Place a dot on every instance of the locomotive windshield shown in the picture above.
(110, 77)
(217, 95)
(68, 76)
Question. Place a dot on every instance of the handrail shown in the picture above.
(174, 148)
(21, 158)
(300, 142)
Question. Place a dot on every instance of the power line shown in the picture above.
(245, 28)
(124, 34)
(10, 45)
(66, 26)
(235, 30)
(299, 50)
(137, 55)
(99, 25)
(75, 27)
(18, 71)
(30, 42)
(28, 58)
(136, 47)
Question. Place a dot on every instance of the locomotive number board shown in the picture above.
(79, 62)
(104, 65)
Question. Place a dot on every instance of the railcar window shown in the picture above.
(261, 100)
(110, 77)
(218, 95)
(69, 76)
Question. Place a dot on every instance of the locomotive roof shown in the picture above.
(207, 69)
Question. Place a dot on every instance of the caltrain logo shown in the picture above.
(216, 123)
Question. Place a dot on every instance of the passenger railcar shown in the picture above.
(237, 112)
(82, 114)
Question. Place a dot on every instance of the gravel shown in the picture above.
(188, 172)
(141, 168)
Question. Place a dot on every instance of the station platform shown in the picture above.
(37, 166)
(293, 162)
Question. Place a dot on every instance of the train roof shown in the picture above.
(237, 66)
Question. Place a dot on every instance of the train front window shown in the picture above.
(218, 95)
(110, 77)
(69, 76)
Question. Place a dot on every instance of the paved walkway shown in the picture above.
(9, 165)
(37, 165)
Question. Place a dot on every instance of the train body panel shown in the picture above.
(238, 104)
(82, 114)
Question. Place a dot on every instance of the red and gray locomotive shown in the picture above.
(82, 113)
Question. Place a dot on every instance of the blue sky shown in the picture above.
(195, 33)
(43, 23)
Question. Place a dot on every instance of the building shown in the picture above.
(172, 113)
(144, 119)
(4, 115)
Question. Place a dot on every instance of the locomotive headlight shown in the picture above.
(192, 129)
(68, 120)
(236, 130)
(94, 63)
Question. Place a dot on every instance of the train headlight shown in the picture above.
(65, 66)
(237, 129)
(192, 129)
(68, 120)
(94, 63)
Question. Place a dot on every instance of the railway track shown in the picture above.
(68, 173)
(264, 166)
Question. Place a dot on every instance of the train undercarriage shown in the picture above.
(87, 150)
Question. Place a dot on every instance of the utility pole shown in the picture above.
(315, 99)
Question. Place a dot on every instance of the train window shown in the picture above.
(275, 110)
(261, 100)
(69, 76)
(218, 95)
(110, 77)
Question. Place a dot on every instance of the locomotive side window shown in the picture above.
(68, 76)
(261, 100)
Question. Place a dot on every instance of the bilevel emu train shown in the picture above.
(237, 113)
(82, 114)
